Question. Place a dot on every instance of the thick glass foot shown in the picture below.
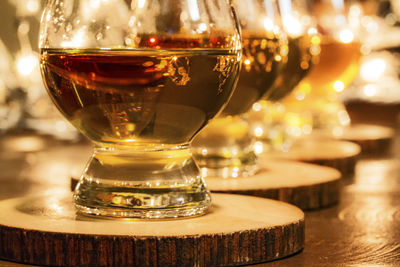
(225, 149)
(152, 184)
(218, 166)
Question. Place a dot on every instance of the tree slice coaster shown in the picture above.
(341, 155)
(238, 230)
(307, 186)
(373, 139)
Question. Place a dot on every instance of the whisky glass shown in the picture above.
(268, 117)
(140, 78)
(225, 147)
(338, 65)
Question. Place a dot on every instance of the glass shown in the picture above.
(225, 147)
(268, 117)
(338, 65)
(140, 78)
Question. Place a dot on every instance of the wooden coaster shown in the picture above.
(373, 139)
(307, 186)
(341, 155)
(238, 230)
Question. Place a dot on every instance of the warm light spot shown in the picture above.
(292, 26)
(94, 3)
(315, 40)
(141, 3)
(258, 147)
(315, 50)
(152, 40)
(79, 40)
(312, 31)
(268, 24)
(130, 127)
(235, 174)
(338, 86)
(300, 96)
(370, 90)
(278, 58)
(202, 27)
(343, 117)
(372, 70)
(247, 62)
(27, 64)
(257, 107)
(258, 131)
(346, 36)
(193, 10)
(32, 6)
(304, 65)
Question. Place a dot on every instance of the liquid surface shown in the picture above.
(139, 96)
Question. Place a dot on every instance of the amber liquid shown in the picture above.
(338, 62)
(261, 64)
(144, 96)
(317, 94)
(299, 63)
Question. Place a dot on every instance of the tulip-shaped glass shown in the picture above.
(140, 78)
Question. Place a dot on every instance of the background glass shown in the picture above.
(267, 117)
(338, 24)
(225, 147)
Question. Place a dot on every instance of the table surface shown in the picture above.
(363, 230)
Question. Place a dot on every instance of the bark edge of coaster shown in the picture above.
(373, 139)
(308, 186)
(341, 155)
(238, 230)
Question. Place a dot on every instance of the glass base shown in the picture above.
(142, 184)
(225, 149)
(233, 167)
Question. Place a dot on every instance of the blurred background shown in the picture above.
(24, 103)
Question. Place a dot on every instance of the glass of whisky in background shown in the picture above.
(268, 116)
(140, 78)
(225, 147)
(337, 67)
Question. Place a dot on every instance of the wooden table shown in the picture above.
(364, 229)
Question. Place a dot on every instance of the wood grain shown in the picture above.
(341, 155)
(239, 230)
(373, 139)
(307, 186)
